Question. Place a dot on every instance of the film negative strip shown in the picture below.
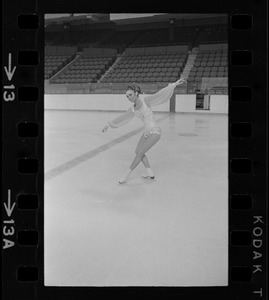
(23, 219)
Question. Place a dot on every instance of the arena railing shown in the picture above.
(108, 88)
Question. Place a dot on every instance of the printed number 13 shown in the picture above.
(9, 95)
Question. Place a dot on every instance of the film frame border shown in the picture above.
(23, 145)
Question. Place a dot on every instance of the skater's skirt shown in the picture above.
(156, 130)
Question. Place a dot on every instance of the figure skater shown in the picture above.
(152, 132)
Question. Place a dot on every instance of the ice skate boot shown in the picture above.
(125, 177)
(149, 174)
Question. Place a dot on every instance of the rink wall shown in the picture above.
(187, 103)
(118, 102)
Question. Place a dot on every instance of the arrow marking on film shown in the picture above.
(8, 207)
(10, 72)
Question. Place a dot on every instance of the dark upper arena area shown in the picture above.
(106, 55)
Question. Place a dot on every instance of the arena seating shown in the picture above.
(209, 63)
(139, 64)
(219, 90)
(54, 63)
(56, 58)
(86, 69)
(148, 67)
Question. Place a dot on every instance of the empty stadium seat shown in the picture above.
(210, 63)
(148, 67)
(86, 69)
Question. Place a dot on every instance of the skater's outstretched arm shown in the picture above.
(164, 94)
(121, 120)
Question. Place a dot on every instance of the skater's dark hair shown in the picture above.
(134, 88)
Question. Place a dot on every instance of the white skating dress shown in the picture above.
(145, 113)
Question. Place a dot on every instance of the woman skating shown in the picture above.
(152, 132)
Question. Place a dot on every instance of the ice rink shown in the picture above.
(172, 231)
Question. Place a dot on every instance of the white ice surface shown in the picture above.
(172, 231)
